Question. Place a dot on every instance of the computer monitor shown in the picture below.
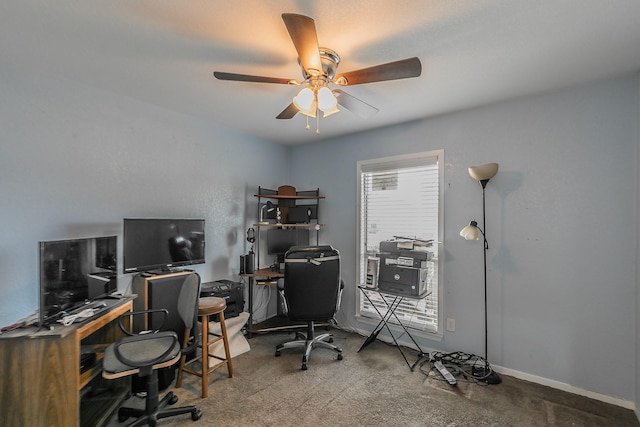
(279, 240)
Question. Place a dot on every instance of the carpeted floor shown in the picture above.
(373, 388)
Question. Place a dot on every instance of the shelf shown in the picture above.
(280, 196)
(264, 273)
(298, 211)
(277, 323)
(92, 372)
(282, 324)
(101, 402)
(300, 225)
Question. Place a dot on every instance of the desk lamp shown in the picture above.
(483, 174)
(270, 208)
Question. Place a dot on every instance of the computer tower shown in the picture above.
(372, 273)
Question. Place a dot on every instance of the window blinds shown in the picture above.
(399, 197)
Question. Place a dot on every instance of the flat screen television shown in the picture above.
(162, 244)
(74, 271)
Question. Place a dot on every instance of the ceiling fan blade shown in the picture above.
(288, 112)
(248, 78)
(355, 105)
(302, 31)
(403, 69)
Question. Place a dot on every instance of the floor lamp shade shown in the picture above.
(471, 231)
(484, 172)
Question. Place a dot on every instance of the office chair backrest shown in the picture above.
(188, 300)
(312, 282)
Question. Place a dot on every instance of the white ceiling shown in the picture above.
(473, 52)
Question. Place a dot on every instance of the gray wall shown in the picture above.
(562, 222)
(637, 318)
(561, 225)
(74, 161)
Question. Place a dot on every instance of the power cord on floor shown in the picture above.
(464, 367)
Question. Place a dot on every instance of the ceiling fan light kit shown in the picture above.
(305, 102)
(319, 67)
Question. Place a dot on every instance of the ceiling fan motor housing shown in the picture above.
(329, 60)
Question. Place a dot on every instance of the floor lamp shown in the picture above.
(483, 174)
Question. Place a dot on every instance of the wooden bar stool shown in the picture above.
(208, 306)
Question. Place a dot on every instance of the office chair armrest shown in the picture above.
(147, 337)
(340, 295)
(130, 315)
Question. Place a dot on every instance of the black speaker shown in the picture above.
(302, 213)
(247, 265)
(101, 284)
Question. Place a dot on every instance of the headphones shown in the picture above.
(251, 235)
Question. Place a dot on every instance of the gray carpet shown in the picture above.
(372, 388)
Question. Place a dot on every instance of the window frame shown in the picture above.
(390, 162)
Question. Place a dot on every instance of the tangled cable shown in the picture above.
(68, 319)
(472, 368)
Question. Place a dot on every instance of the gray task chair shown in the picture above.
(143, 354)
(312, 289)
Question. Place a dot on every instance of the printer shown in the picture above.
(403, 268)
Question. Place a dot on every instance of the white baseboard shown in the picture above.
(566, 387)
(535, 379)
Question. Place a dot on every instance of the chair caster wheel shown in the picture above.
(173, 400)
(278, 353)
(330, 340)
(339, 356)
(304, 366)
(195, 416)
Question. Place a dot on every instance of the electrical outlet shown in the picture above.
(451, 324)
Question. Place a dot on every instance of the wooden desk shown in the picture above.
(40, 370)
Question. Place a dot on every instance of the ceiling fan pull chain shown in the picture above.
(307, 126)
(317, 123)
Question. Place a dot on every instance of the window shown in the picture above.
(401, 196)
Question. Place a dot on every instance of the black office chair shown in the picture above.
(312, 289)
(143, 354)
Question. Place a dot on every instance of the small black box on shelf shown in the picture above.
(302, 214)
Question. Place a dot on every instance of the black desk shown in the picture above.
(384, 320)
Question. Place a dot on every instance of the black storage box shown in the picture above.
(231, 292)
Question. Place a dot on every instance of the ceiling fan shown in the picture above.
(319, 66)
